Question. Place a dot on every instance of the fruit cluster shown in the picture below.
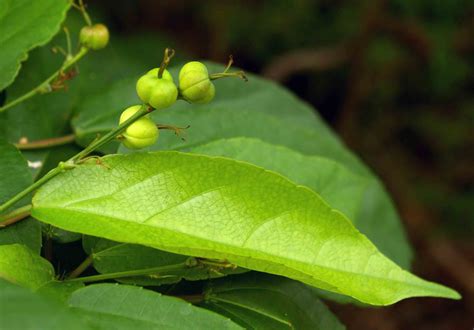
(157, 89)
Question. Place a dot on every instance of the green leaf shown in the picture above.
(21, 266)
(261, 301)
(26, 24)
(225, 209)
(22, 309)
(112, 306)
(15, 176)
(112, 257)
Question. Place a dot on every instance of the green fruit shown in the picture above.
(95, 36)
(160, 93)
(194, 83)
(140, 134)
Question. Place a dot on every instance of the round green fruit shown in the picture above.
(95, 36)
(194, 83)
(140, 134)
(160, 93)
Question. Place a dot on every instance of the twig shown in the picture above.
(46, 143)
(15, 216)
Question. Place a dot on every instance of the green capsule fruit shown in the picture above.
(160, 93)
(140, 134)
(194, 83)
(94, 37)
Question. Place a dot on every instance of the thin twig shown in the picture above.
(46, 143)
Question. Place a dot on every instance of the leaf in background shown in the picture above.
(14, 177)
(113, 306)
(21, 266)
(112, 257)
(214, 208)
(257, 109)
(26, 24)
(22, 309)
(262, 301)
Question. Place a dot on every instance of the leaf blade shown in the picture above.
(26, 25)
(162, 199)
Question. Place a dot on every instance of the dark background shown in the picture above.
(393, 78)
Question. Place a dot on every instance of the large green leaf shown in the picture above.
(111, 306)
(14, 177)
(26, 24)
(262, 301)
(225, 209)
(257, 109)
(24, 310)
(112, 257)
(21, 266)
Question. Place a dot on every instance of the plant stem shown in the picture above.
(82, 267)
(73, 160)
(131, 273)
(46, 143)
(15, 216)
(169, 53)
(66, 65)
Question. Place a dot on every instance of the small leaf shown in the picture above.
(26, 24)
(14, 177)
(225, 209)
(262, 301)
(21, 266)
(112, 306)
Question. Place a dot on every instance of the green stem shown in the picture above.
(131, 273)
(15, 216)
(66, 65)
(82, 267)
(46, 143)
(73, 160)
